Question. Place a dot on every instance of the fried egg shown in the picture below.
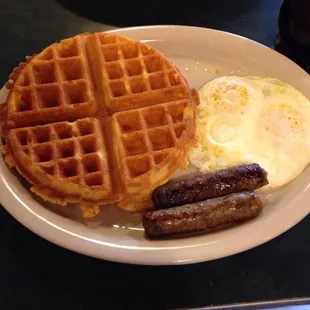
(253, 119)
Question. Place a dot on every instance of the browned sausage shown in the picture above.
(211, 185)
(203, 216)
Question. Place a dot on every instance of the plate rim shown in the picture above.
(80, 244)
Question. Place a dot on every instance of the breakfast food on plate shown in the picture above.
(212, 214)
(98, 119)
(241, 121)
(207, 202)
(236, 179)
(253, 119)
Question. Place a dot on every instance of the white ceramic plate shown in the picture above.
(200, 54)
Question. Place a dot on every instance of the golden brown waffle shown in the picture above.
(54, 86)
(135, 74)
(98, 119)
(148, 145)
(63, 153)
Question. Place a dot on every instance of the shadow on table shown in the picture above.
(124, 13)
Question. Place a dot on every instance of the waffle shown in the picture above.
(98, 119)
(53, 86)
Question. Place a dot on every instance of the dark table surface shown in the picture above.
(35, 274)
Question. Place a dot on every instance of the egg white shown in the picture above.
(253, 120)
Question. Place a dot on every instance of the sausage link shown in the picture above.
(224, 182)
(203, 216)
